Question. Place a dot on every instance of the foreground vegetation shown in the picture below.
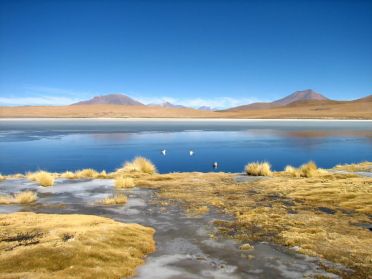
(314, 211)
(318, 214)
(22, 198)
(363, 166)
(70, 246)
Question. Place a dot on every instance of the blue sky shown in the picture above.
(221, 53)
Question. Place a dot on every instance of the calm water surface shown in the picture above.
(59, 145)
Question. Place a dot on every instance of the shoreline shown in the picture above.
(184, 119)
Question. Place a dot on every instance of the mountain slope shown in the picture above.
(298, 96)
(111, 99)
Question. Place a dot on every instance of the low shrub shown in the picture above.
(308, 170)
(87, 173)
(124, 182)
(115, 200)
(22, 197)
(258, 169)
(139, 164)
(43, 178)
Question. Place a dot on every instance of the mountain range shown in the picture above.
(121, 99)
(305, 104)
(299, 98)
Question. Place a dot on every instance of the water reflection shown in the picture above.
(232, 145)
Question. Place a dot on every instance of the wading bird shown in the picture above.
(164, 152)
(191, 152)
(215, 165)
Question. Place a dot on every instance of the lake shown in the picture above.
(64, 144)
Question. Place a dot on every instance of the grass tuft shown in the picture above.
(139, 164)
(25, 197)
(68, 175)
(43, 178)
(86, 173)
(115, 200)
(102, 174)
(258, 169)
(124, 182)
(308, 170)
(22, 197)
(291, 171)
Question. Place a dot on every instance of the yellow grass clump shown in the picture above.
(291, 171)
(115, 200)
(87, 173)
(124, 182)
(103, 174)
(258, 169)
(22, 197)
(71, 246)
(140, 164)
(307, 170)
(68, 175)
(43, 178)
(2, 177)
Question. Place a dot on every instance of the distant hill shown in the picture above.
(166, 105)
(304, 95)
(207, 108)
(298, 96)
(364, 99)
(111, 99)
(303, 109)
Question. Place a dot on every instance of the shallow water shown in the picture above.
(59, 145)
(184, 246)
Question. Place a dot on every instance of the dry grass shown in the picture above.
(309, 169)
(117, 199)
(70, 246)
(2, 177)
(22, 198)
(68, 175)
(124, 182)
(258, 169)
(139, 164)
(102, 175)
(86, 174)
(362, 166)
(284, 210)
(289, 170)
(43, 178)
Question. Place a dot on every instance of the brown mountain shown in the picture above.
(111, 99)
(298, 96)
(304, 95)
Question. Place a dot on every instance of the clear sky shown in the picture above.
(221, 53)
